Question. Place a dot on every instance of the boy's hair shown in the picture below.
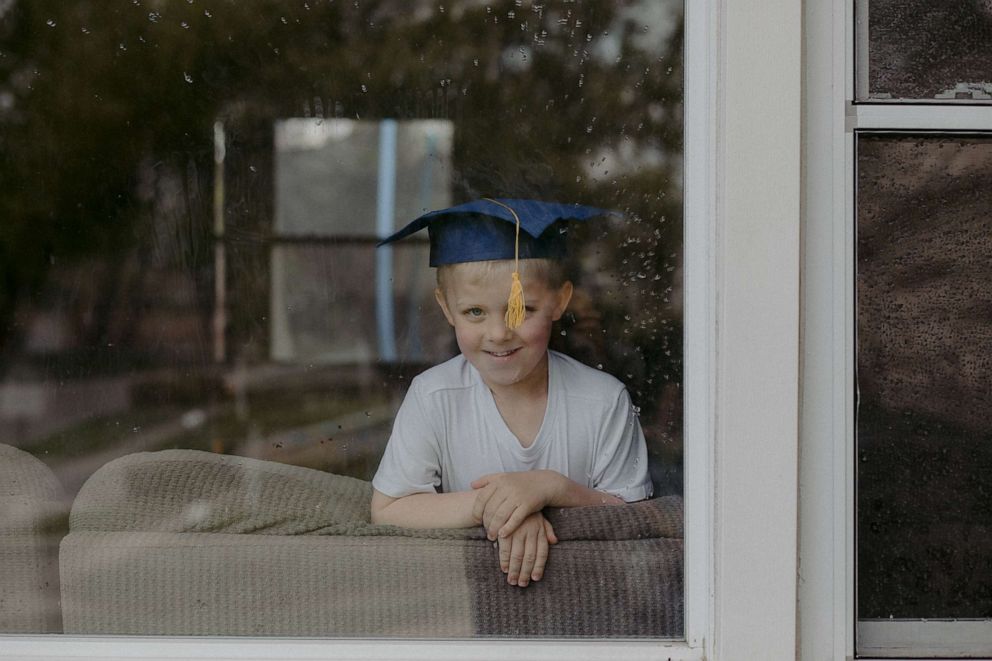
(549, 271)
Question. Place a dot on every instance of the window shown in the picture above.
(170, 242)
(897, 137)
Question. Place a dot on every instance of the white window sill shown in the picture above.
(38, 648)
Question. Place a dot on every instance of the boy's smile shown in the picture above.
(474, 302)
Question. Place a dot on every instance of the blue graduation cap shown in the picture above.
(489, 228)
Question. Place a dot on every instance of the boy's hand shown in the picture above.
(524, 553)
(504, 500)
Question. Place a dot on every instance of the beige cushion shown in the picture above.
(32, 520)
(191, 543)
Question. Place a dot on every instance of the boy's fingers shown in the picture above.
(485, 505)
(481, 482)
(482, 498)
(497, 523)
(517, 549)
(504, 555)
(542, 557)
(531, 549)
(513, 521)
(550, 532)
(492, 518)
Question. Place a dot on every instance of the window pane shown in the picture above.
(341, 324)
(929, 50)
(202, 351)
(321, 163)
(924, 333)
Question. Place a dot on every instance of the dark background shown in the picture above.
(107, 250)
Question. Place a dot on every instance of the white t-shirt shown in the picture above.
(448, 432)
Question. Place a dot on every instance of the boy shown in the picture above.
(507, 427)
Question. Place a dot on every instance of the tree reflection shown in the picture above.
(106, 130)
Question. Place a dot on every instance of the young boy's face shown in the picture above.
(474, 301)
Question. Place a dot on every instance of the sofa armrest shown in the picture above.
(194, 491)
(32, 521)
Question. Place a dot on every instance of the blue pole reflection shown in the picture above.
(385, 210)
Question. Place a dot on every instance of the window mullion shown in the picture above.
(922, 117)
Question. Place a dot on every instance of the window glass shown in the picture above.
(924, 377)
(202, 350)
(928, 50)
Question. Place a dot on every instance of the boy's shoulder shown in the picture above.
(453, 374)
(576, 379)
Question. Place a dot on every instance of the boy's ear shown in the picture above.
(564, 296)
(439, 297)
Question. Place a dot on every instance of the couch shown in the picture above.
(182, 542)
(31, 520)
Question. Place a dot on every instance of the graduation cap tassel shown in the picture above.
(515, 305)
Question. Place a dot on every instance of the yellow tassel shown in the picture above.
(515, 306)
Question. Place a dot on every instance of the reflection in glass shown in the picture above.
(321, 324)
(327, 174)
(924, 377)
(919, 49)
(192, 194)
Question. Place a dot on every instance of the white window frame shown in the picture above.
(742, 198)
(827, 608)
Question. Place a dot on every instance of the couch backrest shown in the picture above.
(32, 521)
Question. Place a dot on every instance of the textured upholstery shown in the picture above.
(31, 522)
(184, 542)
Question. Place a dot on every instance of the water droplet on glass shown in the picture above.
(189, 78)
(368, 415)
(564, 333)
(364, 89)
(122, 46)
(252, 168)
(284, 21)
(599, 366)
(50, 23)
(206, 12)
(154, 16)
(184, 25)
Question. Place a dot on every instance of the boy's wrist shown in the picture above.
(556, 487)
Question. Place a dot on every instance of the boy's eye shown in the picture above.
(474, 312)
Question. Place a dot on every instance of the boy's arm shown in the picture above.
(504, 500)
(425, 510)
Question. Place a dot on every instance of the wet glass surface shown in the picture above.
(191, 197)
(919, 49)
(924, 359)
